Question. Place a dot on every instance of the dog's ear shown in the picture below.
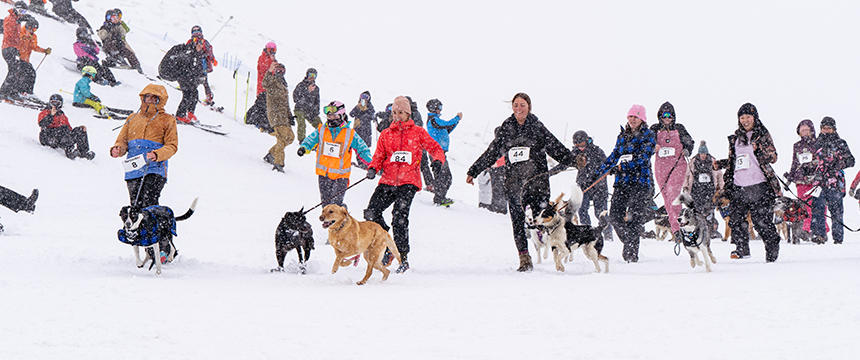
(557, 201)
(123, 213)
(302, 210)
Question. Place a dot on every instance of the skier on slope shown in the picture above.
(208, 61)
(183, 63)
(64, 9)
(56, 132)
(149, 139)
(11, 40)
(440, 131)
(29, 42)
(87, 53)
(750, 183)
(525, 143)
(334, 141)
(674, 146)
(397, 157)
(307, 102)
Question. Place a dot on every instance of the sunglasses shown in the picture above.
(666, 115)
(331, 109)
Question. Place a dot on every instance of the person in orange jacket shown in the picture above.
(11, 38)
(29, 41)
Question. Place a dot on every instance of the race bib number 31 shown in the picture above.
(331, 149)
(134, 163)
(742, 162)
(666, 152)
(519, 154)
(402, 157)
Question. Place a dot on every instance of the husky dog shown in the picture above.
(695, 232)
(534, 233)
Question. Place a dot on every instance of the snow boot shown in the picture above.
(525, 263)
(269, 159)
(30, 203)
(739, 255)
(89, 155)
(71, 153)
(404, 265)
(278, 168)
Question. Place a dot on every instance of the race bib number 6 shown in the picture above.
(402, 157)
(331, 149)
(519, 154)
(134, 163)
(742, 162)
(666, 152)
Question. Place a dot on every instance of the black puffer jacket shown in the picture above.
(592, 157)
(365, 116)
(306, 101)
(532, 135)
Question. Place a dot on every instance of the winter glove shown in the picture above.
(371, 173)
(436, 164)
(557, 169)
(48, 51)
(301, 151)
(292, 120)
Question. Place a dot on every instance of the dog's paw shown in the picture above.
(361, 283)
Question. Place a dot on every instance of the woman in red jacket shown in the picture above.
(398, 156)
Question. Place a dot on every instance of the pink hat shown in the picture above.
(402, 104)
(637, 111)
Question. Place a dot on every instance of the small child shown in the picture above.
(83, 97)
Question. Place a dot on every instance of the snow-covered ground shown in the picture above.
(70, 290)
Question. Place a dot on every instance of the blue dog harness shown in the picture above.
(150, 235)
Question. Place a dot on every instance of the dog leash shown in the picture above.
(808, 202)
(338, 194)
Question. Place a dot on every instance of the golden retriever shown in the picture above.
(350, 237)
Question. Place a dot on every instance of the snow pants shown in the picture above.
(257, 114)
(830, 199)
(283, 137)
(426, 173)
(189, 97)
(149, 189)
(627, 214)
(66, 139)
(301, 118)
(332, 190)
(756, 200)
(598, 197)
(12, 200)
(401, 197)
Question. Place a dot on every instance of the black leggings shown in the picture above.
(383, 197)
(627, 214)
(150, 191)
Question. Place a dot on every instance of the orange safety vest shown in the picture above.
(334, 158)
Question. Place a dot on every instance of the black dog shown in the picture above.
(294, 232)
(153, 228)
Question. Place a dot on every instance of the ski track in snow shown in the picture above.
(70, 290)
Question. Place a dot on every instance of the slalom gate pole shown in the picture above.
(235, 94)
(247, 89)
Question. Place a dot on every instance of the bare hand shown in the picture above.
(114, 151)
(151, 156)
(714, 165)
(469, 180)
(460, 115)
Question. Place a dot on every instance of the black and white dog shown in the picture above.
(294, 232)
(153, 228)
(695, 231)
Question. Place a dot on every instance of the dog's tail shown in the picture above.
(389, 241)
(188, 213)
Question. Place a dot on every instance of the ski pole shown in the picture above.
(247, 90)
(40, 62)
(235, 94)
(222, 28)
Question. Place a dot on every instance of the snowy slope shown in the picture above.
(70, 289)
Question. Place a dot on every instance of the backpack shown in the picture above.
(178, 63)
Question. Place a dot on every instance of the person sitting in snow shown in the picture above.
(88, 55)
(56, 132)
(112, 34)
(83, 97)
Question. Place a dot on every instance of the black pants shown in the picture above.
(758, 201)
(365, 132)
(497, 183)
(207, 88)
(66, 139)
(332, 191)
(383, 197)
(12, 200)
(627, 214)
(442, 178)
(256, 115)
(64, 10)
(830, 199)
(102, 72)
(517, 206)
(10, 54)
(425, 169)
(189, 97)
(150, 191)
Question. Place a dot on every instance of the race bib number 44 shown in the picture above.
(331, 149)
(402, 157)
(666, 152)
(742, 162)
(519, 154)
(134, 163)
(804, 158)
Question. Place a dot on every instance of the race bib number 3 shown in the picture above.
(704, 178)
(666, 152)
(625, 158)
(519, 154)
(804, 158)
(331, 149)
(402, 157)
(134, 163)
(742, 162)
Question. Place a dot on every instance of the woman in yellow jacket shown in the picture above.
(148, 139)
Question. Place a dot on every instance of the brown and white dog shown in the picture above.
(350, 237)
(695, 232)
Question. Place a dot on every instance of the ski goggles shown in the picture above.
(312, 75)
(56, 103)
(364, 97)
(666, 115)
(197, 33)
(331, 109)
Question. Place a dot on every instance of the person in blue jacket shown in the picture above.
(334, 158)
(83, 98)
(440, 131)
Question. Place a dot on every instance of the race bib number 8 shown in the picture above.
(704, 178)
(666, 152)
(519, 154)
(742, 162)
(134, 163)
(625, 158)
(402, 157)
(804, 158)
(331, 149)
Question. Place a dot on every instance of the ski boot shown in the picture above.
(278, 168)
(89, 155)
(269, 159)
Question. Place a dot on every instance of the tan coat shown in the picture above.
(151, 123)
(277, 100)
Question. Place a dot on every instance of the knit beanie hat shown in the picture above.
(828, 121)
(703, 149)
(638, 111)
(748, 109)
(401, 103)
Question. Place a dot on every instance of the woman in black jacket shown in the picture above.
(524, 142)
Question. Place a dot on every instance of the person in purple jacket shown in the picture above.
(803, 164)
(88, 55)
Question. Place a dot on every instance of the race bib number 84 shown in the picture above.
(519, 154)
(134, 163)
(402, 157)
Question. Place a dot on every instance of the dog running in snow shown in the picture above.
(152, 228)
(695, 232)
(535, 235)
(352, 238)
(294, 232)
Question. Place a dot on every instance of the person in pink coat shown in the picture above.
(674, 145)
